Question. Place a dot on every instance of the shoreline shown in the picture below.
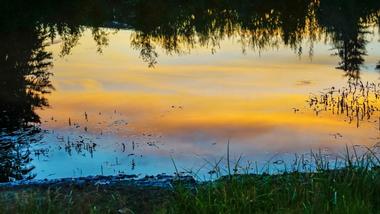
(160, 180)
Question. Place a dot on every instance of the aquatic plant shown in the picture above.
(356, 102)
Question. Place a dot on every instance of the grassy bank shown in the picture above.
(354, 188)
(116, 198)
(340, 191)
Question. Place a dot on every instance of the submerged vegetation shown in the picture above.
(322, 188)
(356, 102)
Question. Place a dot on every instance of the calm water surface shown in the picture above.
(124, 87)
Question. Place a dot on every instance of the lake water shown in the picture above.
(108, 87)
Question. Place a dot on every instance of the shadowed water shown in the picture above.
(122, 86)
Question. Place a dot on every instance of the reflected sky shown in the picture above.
(188, 106)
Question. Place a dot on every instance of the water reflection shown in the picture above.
(174, 28)
(24, 80)
(347, 23)
(256, 25)
(179, 27)
(357, 102)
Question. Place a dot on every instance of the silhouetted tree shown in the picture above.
(24, 79)
(345, 22)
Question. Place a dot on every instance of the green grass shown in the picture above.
(339, 191)
(349, 184)
(351, 188)
(88, 199)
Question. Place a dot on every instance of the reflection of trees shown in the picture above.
(179, 27)
(351, 53)
(24, 68)
(24, 79)
(147, 50)
(15, 154)
(345, 22)
(70, 35)
(24, 71)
